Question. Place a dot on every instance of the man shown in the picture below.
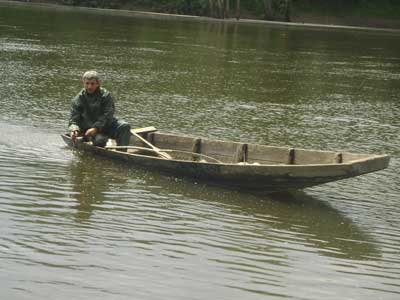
(92, 114)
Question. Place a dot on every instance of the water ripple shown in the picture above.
(76, 224)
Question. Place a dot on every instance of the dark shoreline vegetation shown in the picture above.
(369, 13)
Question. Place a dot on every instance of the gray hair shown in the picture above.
(91, 75)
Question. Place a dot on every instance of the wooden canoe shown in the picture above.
(239, 165)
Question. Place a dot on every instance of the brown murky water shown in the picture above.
(75, 226)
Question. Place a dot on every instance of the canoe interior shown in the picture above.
(235, 152)
(240, 165)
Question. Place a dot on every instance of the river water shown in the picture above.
(80, 227)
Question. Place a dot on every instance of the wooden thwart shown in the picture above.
(339, 158)
(291, 156)
(196, 149)
(143, 130)
(241, 153)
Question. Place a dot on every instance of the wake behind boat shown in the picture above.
(239, 165)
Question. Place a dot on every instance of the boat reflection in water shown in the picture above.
(262, 222)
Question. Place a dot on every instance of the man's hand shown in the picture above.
(74, 134)
(91, 131)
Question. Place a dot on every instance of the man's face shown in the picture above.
(90, 85)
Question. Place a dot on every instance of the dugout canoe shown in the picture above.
(239, 165)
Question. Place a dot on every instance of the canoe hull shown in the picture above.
(245, 176)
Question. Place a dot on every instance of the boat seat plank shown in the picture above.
(144, 130)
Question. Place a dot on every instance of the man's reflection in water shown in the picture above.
(90, 178)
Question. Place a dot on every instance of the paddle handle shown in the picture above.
(145, 141)
(157, 150)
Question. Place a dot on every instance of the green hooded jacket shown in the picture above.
(92, 111)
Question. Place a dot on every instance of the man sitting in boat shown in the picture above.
(92, 114)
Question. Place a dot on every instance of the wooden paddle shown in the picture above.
(167, 150)
(156, 150)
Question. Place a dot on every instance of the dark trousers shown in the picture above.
(119, 130)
